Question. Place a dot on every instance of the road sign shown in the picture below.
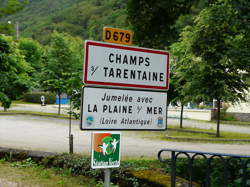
(105, 150)
(43, 100)
(114, 109)
(125, 66)
(119, 36)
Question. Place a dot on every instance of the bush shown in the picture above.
(234, 169)
(123, 176)
(35, 97)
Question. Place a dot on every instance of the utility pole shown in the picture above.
(16, 28)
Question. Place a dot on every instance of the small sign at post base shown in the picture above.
(105, 150)
(43, 101)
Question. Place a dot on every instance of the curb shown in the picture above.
(24, 154)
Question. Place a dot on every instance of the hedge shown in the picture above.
(35, 97)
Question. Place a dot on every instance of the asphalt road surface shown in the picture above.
(51, 134)
(171, 121)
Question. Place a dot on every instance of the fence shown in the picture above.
(208, 156)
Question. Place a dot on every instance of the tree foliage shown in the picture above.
(33, 54)
(79, 18)
(153, 21)
(206, 54)
(62, 63)
(217, 74)
(11, 6)
(14, 79)
(8, 7)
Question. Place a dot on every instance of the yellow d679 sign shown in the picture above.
(119, 36)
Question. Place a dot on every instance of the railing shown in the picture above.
(208, 156)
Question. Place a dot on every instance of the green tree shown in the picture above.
(214, 71)
(181, 58)
(153, 21)
(156, 24)
(14, 79)
(33, 54)
(9, 7)
(63, 59)
(74, 90)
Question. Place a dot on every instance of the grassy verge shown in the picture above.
(9, 112)
(195, 135)
(74, 170)
(22, 102)
(29, 173)
(229, 122)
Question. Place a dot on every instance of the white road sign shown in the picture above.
(113, 109)
(125, 66)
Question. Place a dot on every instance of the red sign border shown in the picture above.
(115, 46)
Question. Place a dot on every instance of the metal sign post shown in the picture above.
(106, 152)
(107, 177)
(124, 89)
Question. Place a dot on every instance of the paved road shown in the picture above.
(50, 134)
(186, 123)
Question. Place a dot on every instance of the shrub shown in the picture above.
(234, 169)
(123, 176)
(35, 97)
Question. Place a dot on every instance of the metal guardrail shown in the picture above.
(208, 156)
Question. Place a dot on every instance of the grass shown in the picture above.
(21, 102)
(195, 135)
(223, 135)
(235, 122)
(229, 122)
(33, 113)
(28, 172)
(34, 175)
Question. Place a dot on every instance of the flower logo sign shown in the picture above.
(105, 150)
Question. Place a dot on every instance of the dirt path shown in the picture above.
(50, 134)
